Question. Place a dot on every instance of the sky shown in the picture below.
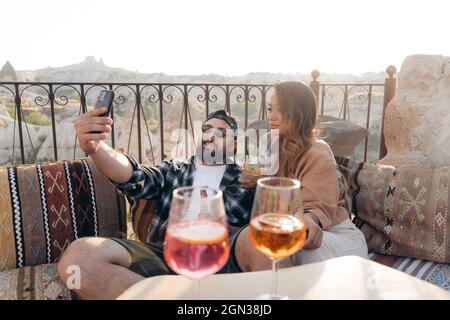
(230, 37)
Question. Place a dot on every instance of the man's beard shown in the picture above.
(211, 154)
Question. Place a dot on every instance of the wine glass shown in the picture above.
(277, 228)
(196, 243)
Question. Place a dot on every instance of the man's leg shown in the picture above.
(103, 265)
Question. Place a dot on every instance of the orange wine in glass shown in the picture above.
(276, 228)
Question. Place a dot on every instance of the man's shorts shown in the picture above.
(148, 258)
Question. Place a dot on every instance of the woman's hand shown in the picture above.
(247, 183)
(315, 232)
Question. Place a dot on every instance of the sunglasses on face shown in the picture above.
(219, 132)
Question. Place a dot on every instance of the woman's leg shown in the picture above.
(341, 240)
(250, 259)
(344, 239)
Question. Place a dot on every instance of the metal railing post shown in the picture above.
(315, 84)
(18, 102)
(389, 92)
(138, 107)
(51, 97)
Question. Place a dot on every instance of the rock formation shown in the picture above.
(8, 73)
(417, 120)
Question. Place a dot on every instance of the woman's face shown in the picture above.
(274, 116)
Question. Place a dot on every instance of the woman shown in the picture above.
(305, 157)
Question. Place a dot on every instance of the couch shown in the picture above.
(44, 207)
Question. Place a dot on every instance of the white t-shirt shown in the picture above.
(204, 176)
(208, 176)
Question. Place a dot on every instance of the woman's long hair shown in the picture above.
(298, 108)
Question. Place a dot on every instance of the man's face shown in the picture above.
(217, 142)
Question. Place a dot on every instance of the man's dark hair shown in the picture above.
(225, 116)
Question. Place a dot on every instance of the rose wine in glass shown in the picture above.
(196, 248)
(196, 243)
(276, 228)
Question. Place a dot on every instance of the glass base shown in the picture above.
(272, 297)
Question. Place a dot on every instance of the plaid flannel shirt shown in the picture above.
(158, 183)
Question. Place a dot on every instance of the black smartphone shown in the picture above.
(105, 99)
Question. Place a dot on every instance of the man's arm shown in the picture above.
(112, 164)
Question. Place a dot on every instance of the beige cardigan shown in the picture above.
(320, 191)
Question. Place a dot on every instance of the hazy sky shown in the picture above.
(227, 37)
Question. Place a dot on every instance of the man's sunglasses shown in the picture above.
(219, 132)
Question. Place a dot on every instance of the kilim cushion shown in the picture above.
(44, 207)
(142, 213)
(33, 283)
(433, 272)
(402, 211)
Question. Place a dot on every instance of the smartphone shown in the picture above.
(105, 99)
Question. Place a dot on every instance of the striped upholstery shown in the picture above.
(33, 283)
(142, 214)
(44, 207)
(433, 272)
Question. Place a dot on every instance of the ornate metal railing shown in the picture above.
(36, 118)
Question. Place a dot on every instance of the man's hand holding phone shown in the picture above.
(94, 126)
(91, 128)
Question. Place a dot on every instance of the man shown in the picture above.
(108, 266)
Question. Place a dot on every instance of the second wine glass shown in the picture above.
(277, 228)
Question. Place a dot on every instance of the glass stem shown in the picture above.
(274, 278)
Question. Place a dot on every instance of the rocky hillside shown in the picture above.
(92, 70)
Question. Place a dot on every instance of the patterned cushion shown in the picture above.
(33, 283)
(402, 211)
(46, 206)
(142, 213)
(435, 273)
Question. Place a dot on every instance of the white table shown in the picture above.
(341, 278)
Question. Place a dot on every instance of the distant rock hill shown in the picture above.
(92, 70)
(7, 73)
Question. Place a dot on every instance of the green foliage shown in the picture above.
(150, 111)
(11, 112)
(5, 165)
(38, 118)
(151, 115)
(34, 117)
(9, 103)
